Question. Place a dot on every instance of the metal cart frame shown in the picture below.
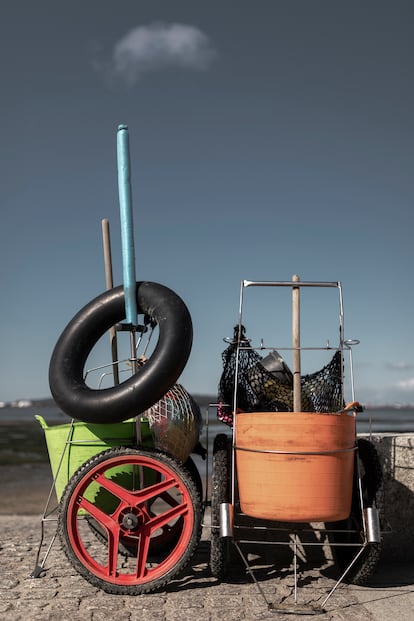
(231, 522)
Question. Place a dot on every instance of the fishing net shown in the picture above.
(261, 389)
(175, 422)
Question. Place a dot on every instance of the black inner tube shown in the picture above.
(141, 390)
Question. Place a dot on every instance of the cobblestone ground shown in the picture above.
(62, 594)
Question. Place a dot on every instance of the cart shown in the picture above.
(293, 471)
(129, 496)
(129, 510)
(130, 500)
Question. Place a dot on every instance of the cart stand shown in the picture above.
(226, 527)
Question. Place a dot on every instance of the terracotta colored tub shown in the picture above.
(295, 466)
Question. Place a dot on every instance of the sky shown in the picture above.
(267, 139)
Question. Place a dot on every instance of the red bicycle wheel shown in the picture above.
(134, 497)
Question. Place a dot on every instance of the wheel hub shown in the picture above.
(131, 519)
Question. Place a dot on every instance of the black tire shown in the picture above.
(152, 380)
(220, 492)
(371, 483)
(124, 518)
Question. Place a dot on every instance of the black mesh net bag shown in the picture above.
(266, 384)
(248, 358)
(323, 389)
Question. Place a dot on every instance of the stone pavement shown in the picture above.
(63, 595)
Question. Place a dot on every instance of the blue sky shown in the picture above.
(267, 139)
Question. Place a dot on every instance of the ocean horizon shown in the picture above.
(398, 418)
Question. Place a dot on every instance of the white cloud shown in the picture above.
(399, 366)
(407, 384)
(156, 46)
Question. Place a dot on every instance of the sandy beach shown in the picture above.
(24, 488)
(25, 473)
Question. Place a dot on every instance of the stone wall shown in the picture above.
(396, 453)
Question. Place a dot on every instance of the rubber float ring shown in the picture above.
(141, 390)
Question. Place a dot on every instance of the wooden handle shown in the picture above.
(297, 400)
(109, 285)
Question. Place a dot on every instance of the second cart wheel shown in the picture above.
(220, 492)
(134, 498)
(349, 532)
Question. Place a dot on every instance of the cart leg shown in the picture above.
(39, 567)
(341, 578)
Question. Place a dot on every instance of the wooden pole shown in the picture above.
(297, 401)
(109, 285)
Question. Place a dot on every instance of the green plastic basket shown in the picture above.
(72, 444)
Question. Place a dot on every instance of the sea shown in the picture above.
(22, 438)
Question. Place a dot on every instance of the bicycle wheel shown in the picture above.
(135, 499)
(165, 536)
(352, 528)
(220, 492)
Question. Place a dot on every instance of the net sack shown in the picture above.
(320, 391)
(266, 384)
(175, 423)
(248, 358)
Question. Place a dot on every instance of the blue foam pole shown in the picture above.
(127, 235)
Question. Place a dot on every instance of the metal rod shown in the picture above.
(109, 285)
(341, 341)
(125, 205)
(297, 401)
(340, 579)
(253, 577)
(235, 391)
(295, 568)
(288, 283)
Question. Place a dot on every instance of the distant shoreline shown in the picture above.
(47, 402)
(203, 400)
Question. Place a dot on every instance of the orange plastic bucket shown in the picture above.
(295, 466)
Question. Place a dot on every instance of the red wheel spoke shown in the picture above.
(113, 544)
(142, 553)
(154, 491)
(112, 530)
(158, 521)
(100, 516)
(116, 490)
(139, 496)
